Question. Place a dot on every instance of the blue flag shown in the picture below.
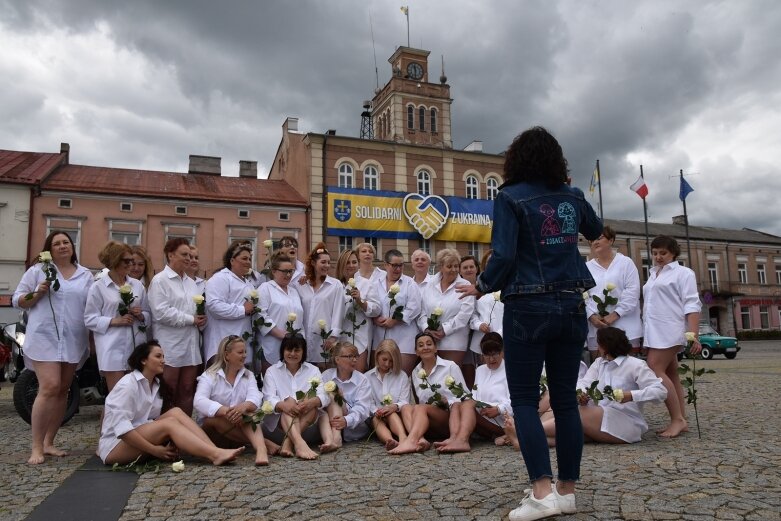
(686, 189)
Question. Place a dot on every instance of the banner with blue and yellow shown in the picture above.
(399, 215)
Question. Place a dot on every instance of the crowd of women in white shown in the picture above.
(436, 359)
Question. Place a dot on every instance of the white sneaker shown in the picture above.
(532, 508)
(566, 502)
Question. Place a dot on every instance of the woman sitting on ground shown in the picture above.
(490, 388)
(619, 420)
(281, 383)
(347, 420)
(390, 392)
(431, 414)
(133, 426)
(226, 392)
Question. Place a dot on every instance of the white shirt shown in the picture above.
(670, 294)
(425, 281)
(173, 316)
(130, 404)
(280, 384)
(325, 304)
(623, 273)
(491, 388)
(442, 369)
(624, 420)
(41, 343)
(113, 345)
(456, 313)
(396, 385)
(408, 296)
(489, 311)
(357, 395)
(364, 333)
(214, 391)
(275, 305)
(226, 294)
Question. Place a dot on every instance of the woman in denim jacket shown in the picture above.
(537, 266)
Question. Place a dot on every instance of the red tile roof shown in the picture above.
(27, 168)
(149, 183)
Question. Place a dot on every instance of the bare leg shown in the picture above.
(66, 377)
(397, 426)
(408, 362)
(187, 422)
(241, 434)
(293, 440)
(464, 426)
(660, 361)
(48, 408)
(362, 362)
(468, 369)
(591, 417)
(421, 418)
(383, 432)
(331, 440)
(509, 431)
(112, 377)
(186, 388)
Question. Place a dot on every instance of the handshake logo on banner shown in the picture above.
(426, 214)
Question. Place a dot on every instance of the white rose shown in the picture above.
(437, 312)
(422, 374)
(315, 380)
(497, 296)
(198, 299)
(610, 286)
(330, 386)
(387, 399)
(253, 293)
(267, 408)
(394, 289)
(291, 317)
(351, 283)
(690, 337)
(126, 289)
(178, 466)
(585, 295)
(449, 380)
(321, 324)
(268, 243)
(618, 395)
(45, 256)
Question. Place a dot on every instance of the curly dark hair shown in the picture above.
(290, 342)
(234, 250)
(535, 156)
(613, 341)
(140, 353)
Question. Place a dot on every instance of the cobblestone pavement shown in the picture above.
(732, 473)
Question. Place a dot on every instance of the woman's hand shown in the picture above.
(387, 410)
(485, 328)
(611, 318)
(583, 398)
(695, 348)
(123, 321)
(249, 307)
(490, 412)
(163, 452)
(356, 295)
(385, 322)
(438, 334)
(468, 290)
(288, 407)
(199, 321)
(278, 333)
(338, 423)
(43, 288)
(137, 313)
(597, 321)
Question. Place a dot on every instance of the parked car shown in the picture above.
(715, 344)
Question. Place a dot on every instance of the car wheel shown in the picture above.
(706, 353)
(730, 355)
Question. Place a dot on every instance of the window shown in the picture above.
(66, 224)
(283, 216)
(185, 230)
(410, 117)
(491, 188)
(742, 273)
(374, 241)
(778, 273)
(371, 179)
(180, 210)
(713, 276)
(240, 234)
(345, 243)
(126, 237)
(422, 118)
(127, 231)
(424, 183)
(473, 249)
(433, 125)
(471, 187)
(345, 176)
(764, 317)
(243, 214)
(745, 317)
(125, 207)
(65, 203)
(761, 276)
(646, 266)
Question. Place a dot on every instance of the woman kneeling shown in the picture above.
(133, 426)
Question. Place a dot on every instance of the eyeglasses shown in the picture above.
(286, 272)
(353, 358)
(396, 266)
(492, 355)
(128, 261)
(288, 244)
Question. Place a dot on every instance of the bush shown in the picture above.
(759, 334)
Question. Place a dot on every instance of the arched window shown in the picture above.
(380, 127)
(491, 188)
(345, 176)
(424, 183)
(433, 120)
(422, 118)
(410, 117)
(471, 187)
(371, 179)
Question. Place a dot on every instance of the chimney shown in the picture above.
(680, 220)
(290, 125)
(65, 148)
(474, 146)
(248, 169)
(205, 165)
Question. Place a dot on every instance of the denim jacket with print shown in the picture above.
(535, 240)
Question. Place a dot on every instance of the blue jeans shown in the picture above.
(550, 328)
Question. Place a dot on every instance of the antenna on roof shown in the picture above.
(374, 50)
(442, 77)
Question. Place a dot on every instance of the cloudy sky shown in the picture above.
(667, 84)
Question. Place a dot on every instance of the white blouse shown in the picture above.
(624, 420)
(173, 316)
(442, 369)
(456, 313)
(275, 305)
(489, 311)
(363, 334)
(325, 304)
(113, 345)
(491, 388)
(408, 296)
(280, 384)
(357, 395)
(396, 385)
(41, 341)
(226, 294)
(214, 391)
(670, 294)
(623, 273)
(130, 404)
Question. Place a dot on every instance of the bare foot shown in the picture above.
(227, 455)
(501, 441)
(325, 448)
(54, 451)
(455, 446)
(271, 448)
(261, 458)
(305, 453)
(674, 429)
(36, 458)
(286, 453)
(405, 447)
(443, 443)
(391, 444)
(423, 445)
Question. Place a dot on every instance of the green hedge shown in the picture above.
(759, 334)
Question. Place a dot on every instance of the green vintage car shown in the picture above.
(715, 344)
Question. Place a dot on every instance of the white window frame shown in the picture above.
(346, 177)
(491, 188)
(73, 227)
(345, 243)
(424, 182)
(764, 317)
(761, 274)
(713, 275)
(374, 241)
(472, 187)
(745, 317)
(179, 229)
(371, 178)
(743, 273)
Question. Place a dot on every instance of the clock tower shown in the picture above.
(409, 108)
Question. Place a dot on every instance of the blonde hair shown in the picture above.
(447, 254)
(224, 349)
(341, 346)
(366, 245)
(390, 347)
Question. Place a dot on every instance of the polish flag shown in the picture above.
(640, 187)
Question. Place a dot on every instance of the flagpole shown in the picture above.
(686, 223)
(647, 240)
(406, 13)
(599, 185)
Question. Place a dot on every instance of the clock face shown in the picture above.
(414, 71)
